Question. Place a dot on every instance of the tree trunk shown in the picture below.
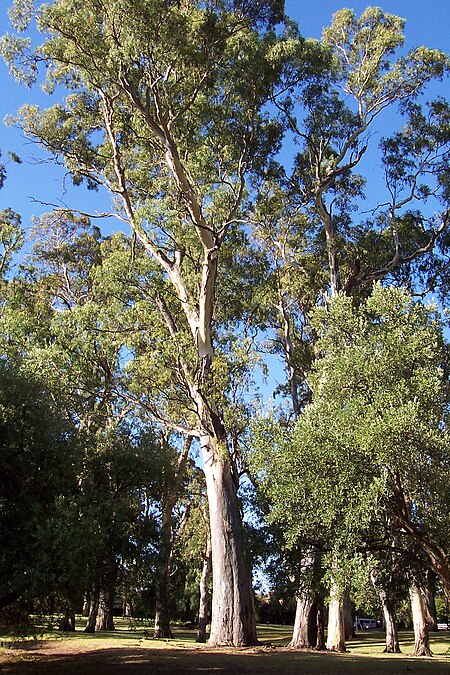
(430, 601)
(162, 618)
(336, 627)
(421, 637)
(304, 635)
(105, 620)
(162, 610)
(86, 604)
(390, 622)
(349, 627)
(390, 626)
(320, 644)
(233, 614)
(204, 594)
(93, 610)
(67, 622)
(127, 608)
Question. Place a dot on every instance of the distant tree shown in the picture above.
(40, 456)
(57, 320)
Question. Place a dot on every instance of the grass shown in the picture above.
(131, 650)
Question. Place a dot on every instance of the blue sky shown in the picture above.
(428, 23)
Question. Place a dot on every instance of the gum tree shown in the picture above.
(369, 75)
(319, 233)
(365, 464)
(165, 110)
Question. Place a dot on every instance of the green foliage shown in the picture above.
(377, 418)
(40, 454)
(333, 118)
(11, 233)
(58, 321)
(11, 238)
(362, 51)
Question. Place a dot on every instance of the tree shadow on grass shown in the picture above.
(224, 662)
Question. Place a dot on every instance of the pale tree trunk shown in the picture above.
(437, 555)
(304, 635)
(349, 628)
(390, 622)
(203, 608)
(86, 604)
(286, 324)
(105, 619)
(429, 592)
(233, 614)
(336, 628)
(421, 637)
(333, 261)
(233, 618)
(94, 600)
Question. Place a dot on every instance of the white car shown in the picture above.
(365, 624)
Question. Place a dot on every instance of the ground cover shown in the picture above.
(131, 650)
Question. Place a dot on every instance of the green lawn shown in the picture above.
(133, 651)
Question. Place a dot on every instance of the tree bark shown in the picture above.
(304, 635)
(336, 627)
(93, 610)
(430, 601)
(390, 622)
(127, 608)
(86, 604)
(105, 619)
(233, 614)
(349, 627)
(438, 557)
(204, 593)
(320, 644)
(421, 637)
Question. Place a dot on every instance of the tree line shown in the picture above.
(235, 153)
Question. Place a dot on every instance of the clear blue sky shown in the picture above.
(428, 23)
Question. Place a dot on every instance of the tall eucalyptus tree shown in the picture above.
(166, 109)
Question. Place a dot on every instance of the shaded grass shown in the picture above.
(130, 650)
